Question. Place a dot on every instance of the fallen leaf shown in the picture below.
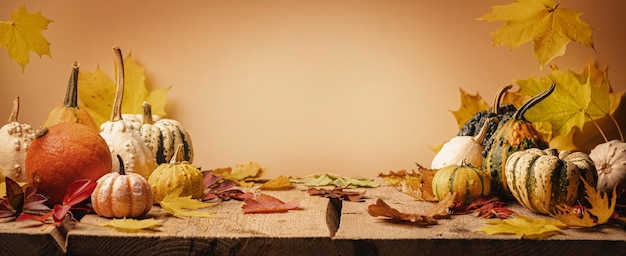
(601, 209)
(268, 204)
(440, 211)
(96, 92)
(486, 207)
(338, 193)
(470, 105)
(179, 206)
(523, 227)
(278, 183)
(131, 225)
(543, 22)
(416, 184)
(18, 197)
(243, 174)
(22, 34)
(393, 178)
(216, 187)
(329, 179)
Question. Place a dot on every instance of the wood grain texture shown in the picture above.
(31, 238)
(361, 234)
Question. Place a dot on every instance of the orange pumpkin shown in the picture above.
(120, 195)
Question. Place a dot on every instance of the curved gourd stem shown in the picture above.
(178, 155)
(498, 99)
(15, 111)
(71, 93)
(122, 171)
(483, 130)
(519, 114)
(116, 113)
(147, 113)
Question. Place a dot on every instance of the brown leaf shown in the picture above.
(338, 193)
(268, 204)
(440, 211)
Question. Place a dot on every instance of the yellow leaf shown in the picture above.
(523, 227)
(96, 92)
(131, 225)
(470, 105)
(22, 34)
(603, 101)
(278, 183)
(543, 22)
(242, 173)
(176, 205)
(602, 208)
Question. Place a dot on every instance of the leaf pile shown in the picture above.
(243, 174)
(22, 34)
(264, 203)
(440, 211)
(329, 179)
(490, 207)
(216, 187)
(338, 193)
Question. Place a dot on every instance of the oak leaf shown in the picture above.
(22, 34)
(543, 22)
(131, 225)
(523, 227)
(470, 105)
(184, 206)
(96, 92)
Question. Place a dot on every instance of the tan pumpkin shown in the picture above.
(177, 174)
(69, 111)
(121, 195)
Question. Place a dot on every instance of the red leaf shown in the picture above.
(42, 218)
(79, 191)
(486, 207)
(268, 204)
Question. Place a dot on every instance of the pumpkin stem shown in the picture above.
(41, 132)
(519, 114)
(71, 93)
(480, 137)
(501, 92)
(122, 171)
(147, 113)
(178, 155)
(116, 114)
(15, 111)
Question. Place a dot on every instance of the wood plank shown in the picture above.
(297, 232)
(31, 238)
(361, 234)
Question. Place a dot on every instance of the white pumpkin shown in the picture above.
(466, 149)
(610, 161)
(15, 138)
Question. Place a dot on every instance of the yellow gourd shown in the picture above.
(168, 177)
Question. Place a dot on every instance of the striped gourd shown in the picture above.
(467, 181)
(515, 134)
(162, 135)
(541, 179)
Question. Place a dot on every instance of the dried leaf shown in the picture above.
(338, 193)
(601, 209)
(543, 22)
(268, 204)
(329, 179)
(393, 178)
(176, 205)
(382, 209)
(278, 183)
(131, 225)
(22, 34)
(216, 187)
(470, 105)
(486, 207)
(243, 174)
(418, 184)
(523, 227)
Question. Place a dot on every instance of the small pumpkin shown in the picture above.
(541, 179)
(121, 195)
(177, 173)
(15, 139)
(610, 161)
(469, 182)
(162, 135)
(69, 111)
(515, 134)
(122, 137)
(463, 148)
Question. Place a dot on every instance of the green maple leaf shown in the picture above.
(549, 27)
(22, 34)
(565, 107)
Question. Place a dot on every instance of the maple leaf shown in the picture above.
(440, 211)
(131, 225)
(97, 91)
(523, 227)
(22, 34)
(603, 101)
(278, 183)
(417, 184)
(543, 22)
(601, 209)
(176, 205)
(470, 105)
(243, 174)
(268, 204)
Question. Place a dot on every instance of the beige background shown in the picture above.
(354, 87)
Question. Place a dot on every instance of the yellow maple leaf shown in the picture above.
(243, 174)
(96, 92)
(601, 209)
(22, 34)
(523, 227)
(176, 205)
(603, 101)
(470, 105)
(278, 183)
(131, 225)
(543, 22)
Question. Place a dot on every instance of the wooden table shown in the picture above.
(320, 227)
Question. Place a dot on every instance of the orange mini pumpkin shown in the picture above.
(120, 195)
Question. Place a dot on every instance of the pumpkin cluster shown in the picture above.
(508, 158)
